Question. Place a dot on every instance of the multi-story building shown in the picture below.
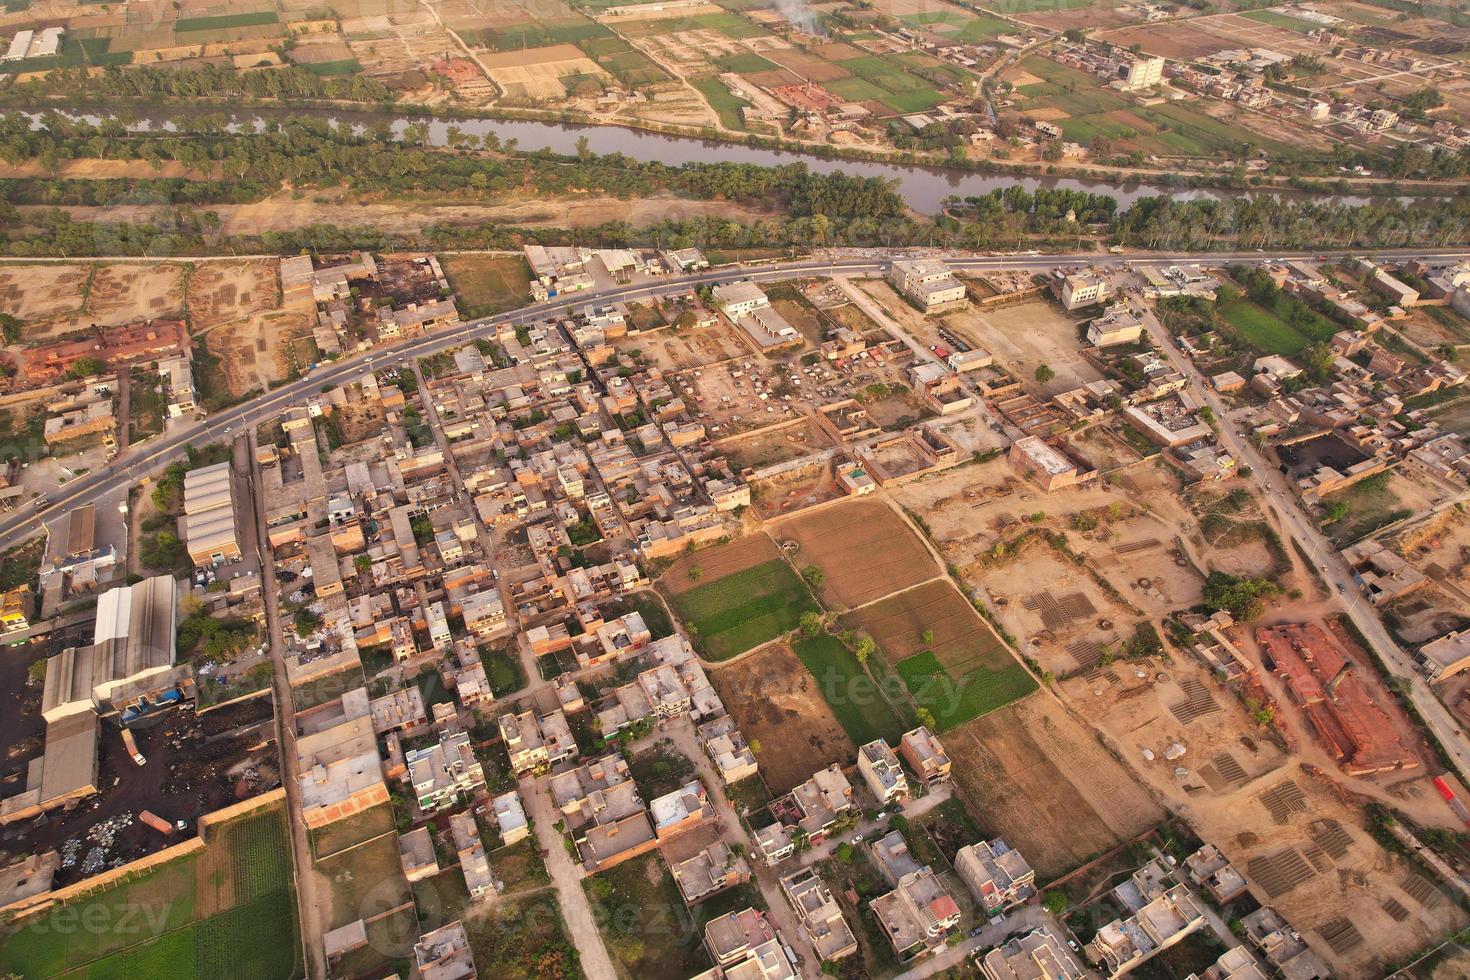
(924, 753)
(996, 874)
(878, 765)
(443, 773)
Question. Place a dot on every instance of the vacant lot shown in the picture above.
(520, 938)
(853, 696)
(38, 292)
(486, 284)
(736, 612)
(779, 707)
(648, 932)
(1034, 775)
(219, 292)
(863, 548)
(226, 912)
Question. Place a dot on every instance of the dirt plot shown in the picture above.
(1027, 335)
(865, 549)
(111, 295)
(536, 73)
(38, 292)
(762, 449)
(797, 490)
(777, 703)
(959, 634)
(219, 292)
(690, 349)
(261, 349)
(719, 561)
(1037, 777)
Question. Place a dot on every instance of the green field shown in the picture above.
(733, 614)
(541, 33)
(856, 701)
(956, 695)
(621, 60)
(885, 80)
(731, 25)
(1167, 129)
(722, 100)
(745, 63)
(1262, 329)
(346, 66)
(227, 912)
(225, 21)
(1273, 19)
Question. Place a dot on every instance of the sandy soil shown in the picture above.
(1223, 805)
(776, 703)
(219, 292)
(57, 299)
(283, 212)
(252, 351)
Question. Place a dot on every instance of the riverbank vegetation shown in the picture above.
(212, 163)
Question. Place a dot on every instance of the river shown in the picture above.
(922, 188)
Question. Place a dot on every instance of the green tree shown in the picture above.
(811, 623)
(1055, 902)
(86, 367)
(1044, 373)
(814, 576)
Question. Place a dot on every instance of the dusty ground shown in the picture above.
(219, 292)
(777, 704)
(791, 492)
(259, 349)
(762, 449)
(690, 349)
(1218, 783)
(1033, 774)
(285, 211)
(57, 299)
(41, 292)
(1026, 336)
(864, 547)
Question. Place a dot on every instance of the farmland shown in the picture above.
(956, 694)
(863, 548)
(778, 703)
(854, 698)
(227, 911)
(733, 614)
(1036, 776)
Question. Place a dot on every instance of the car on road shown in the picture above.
(1341, 590)
(856, 840)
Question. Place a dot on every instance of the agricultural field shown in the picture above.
(731, 611)
(779, 706)
(855, 699)
(487, 284)
(1086, 109)
(949, 658)
(722, 100)
(1035, 775)
(863, 548)
(226, 912)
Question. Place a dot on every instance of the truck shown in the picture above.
(156, 822)
(132, 746)
(1448, 794)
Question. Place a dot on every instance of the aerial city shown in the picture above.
(735, 489)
